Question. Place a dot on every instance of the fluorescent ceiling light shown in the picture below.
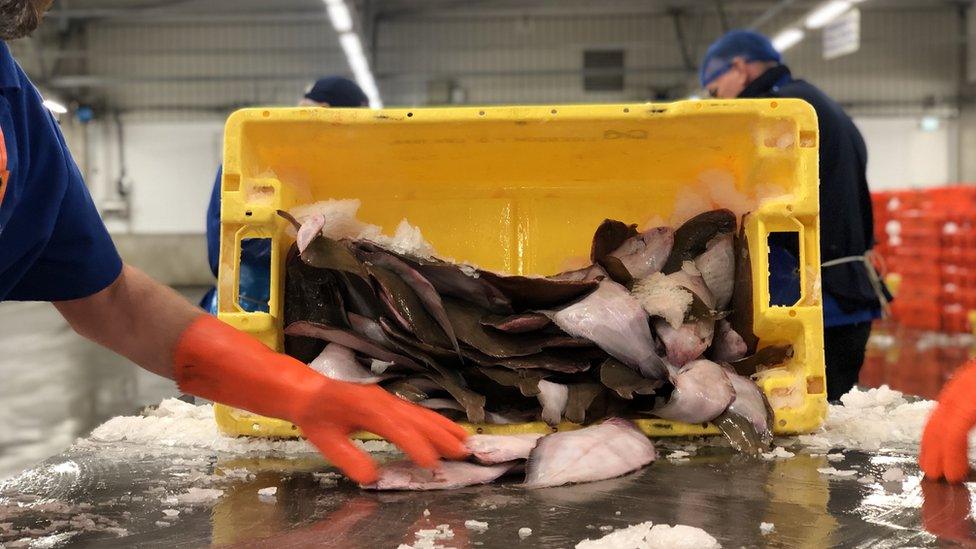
(54, 106)
(787, 38)
(353, 49)
(340, 16)
(342, 22)
(825, 13)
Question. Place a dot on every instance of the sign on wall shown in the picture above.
(842, 36)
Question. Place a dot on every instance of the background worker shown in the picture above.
(744, 64)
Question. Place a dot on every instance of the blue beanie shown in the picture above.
(737, 43)
(337, 92)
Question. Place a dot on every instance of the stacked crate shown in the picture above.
(928, 240)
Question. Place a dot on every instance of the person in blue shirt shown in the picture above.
(745, 64)
(54, 247)
(255, 271)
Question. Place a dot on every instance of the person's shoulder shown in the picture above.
(11, 77)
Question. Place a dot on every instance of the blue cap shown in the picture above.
(337, 92)
(737, 43)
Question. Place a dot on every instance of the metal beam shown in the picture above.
(93, 81)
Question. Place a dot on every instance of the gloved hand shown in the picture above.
(944, 452)
(217, 362)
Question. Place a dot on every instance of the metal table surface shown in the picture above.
(105, 488)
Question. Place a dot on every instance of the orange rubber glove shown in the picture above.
(945, 442)
(217, 362)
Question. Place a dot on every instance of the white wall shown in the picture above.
(901, 154)
(170, 169)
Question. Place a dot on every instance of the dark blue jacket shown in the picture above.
(846, 218)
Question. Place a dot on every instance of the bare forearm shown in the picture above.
(136, 317)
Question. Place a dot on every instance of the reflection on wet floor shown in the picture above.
(56, 386)
(913, 361)
(192, 498)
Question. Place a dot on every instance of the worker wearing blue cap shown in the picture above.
(745, 64)
(54, 247)
(254, 275)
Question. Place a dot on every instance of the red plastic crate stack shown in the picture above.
(928, 238)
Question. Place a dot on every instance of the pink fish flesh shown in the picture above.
(405, 475)
(339, 363)
(611, 449)
(688, 342)
(553, 397)
(310, 228)
(645, 253)
(615, 320)
(702, 391)
(717, 266)
(492, 449)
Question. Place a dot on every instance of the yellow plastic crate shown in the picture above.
(521, 189)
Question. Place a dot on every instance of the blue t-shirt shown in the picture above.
(53, 244)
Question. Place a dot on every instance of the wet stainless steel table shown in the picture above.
(116, 486)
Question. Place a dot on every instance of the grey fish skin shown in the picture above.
(615, 320)
(426, 292)
(450, 475)
(494, 449)
(701, 393)
(717, 267)
(517, 324)
(688, 342)
(611, 449)
(748, 421)
(691, 238)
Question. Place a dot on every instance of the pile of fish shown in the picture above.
(659, 325)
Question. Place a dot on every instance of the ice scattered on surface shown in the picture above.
(606, 528)
(870, 420)
(426, 512)
(678, 455)
(524, 532)
(648, 536)
(269, 492)
(427, 539)
(476, 526)
(865, 480)
(830, 471)
(616, 513)
(663, 296)
(177, 424)
(162, 524)
(171, 512)
(767, 528)
(327, 479)
(469, 270)
(892, 475)
(778, 453)
(194, 496)
(833, 458)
